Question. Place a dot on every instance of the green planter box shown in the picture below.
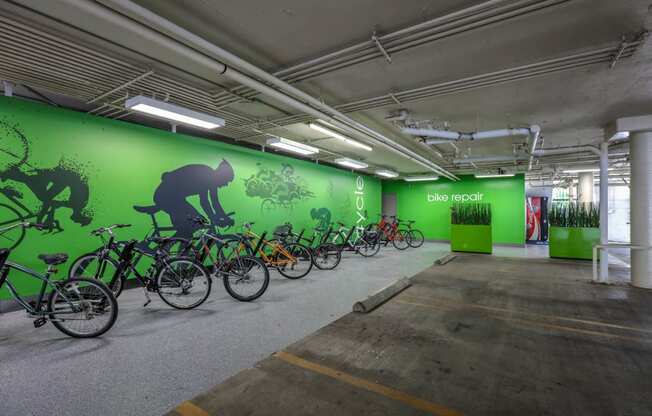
(573, 243)
(471, 238)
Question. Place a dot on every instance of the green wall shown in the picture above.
(95, 170)
(428, 203)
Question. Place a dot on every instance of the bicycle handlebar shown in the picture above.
(108, 229)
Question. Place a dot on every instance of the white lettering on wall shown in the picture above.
(359, 206)
(474, 197)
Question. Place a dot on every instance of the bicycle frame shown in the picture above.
(277, 249)
(46, 283)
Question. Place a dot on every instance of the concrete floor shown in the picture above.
(156, 357)
(481, 335)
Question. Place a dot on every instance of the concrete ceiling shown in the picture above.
(571, 106)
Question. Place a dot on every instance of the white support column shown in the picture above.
(604, 209)
(641, 207)
(8, 88)
(585, 187)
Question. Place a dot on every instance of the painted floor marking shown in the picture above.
(188, 408)
(538, 323)
(443, 302)
(388, 392)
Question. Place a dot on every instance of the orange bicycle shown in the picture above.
(292, 260)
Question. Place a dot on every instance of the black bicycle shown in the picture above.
(325, 255)
(78, 307)
(180, 281)
(245, 276)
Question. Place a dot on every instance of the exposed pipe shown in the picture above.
(566, 150)
(535, 139)
(481, 159)
(455, 23)
(443, 135)
(285, 93)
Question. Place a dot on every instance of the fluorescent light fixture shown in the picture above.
(504, 175)
(291, 146)
(621, 135)
(338, 136)
(385, 173)
(173, 112)
(420, 178)
(351, 163)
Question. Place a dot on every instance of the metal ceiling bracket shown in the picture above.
(8, 88)
(121, 87)
(380, 47)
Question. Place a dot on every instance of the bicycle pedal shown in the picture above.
(40, 322)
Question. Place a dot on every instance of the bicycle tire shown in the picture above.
(400, 240)
(239, 263)
(102, 289)
(374, 248)
(19, 231)
(198, 267)
(303, 256)
(326, 251)
(416, 238)
(117, 286)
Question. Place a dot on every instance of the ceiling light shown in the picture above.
(503, 175)
(338, 136)
(386, 173)
(292, 146)
(351, 163)
(420, 178)
(173, 112)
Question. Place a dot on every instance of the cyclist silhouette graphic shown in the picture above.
(49, 185)
(171, 196)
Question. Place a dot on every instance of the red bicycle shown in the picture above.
(389, 231)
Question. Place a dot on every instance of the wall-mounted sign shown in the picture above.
(473, 197)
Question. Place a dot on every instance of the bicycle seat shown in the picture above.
(53, 259)
(152, 209)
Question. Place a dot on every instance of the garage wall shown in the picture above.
(87, 172)
(428, 203)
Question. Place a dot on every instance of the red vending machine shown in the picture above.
(537, 219)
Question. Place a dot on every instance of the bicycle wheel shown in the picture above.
(82, 308)
(183, 283)
(416, 238)
(11, 238)
(297, 265)
(245, 278)
(401, 240)
(93, 267)
(327, 256)
(368, 247)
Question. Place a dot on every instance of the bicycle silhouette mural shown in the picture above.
(171, 197)
(280, 189)
(62, 186)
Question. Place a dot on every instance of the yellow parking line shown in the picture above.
(437, 302)
(190, 409)
(541, 324)
(388, 392)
